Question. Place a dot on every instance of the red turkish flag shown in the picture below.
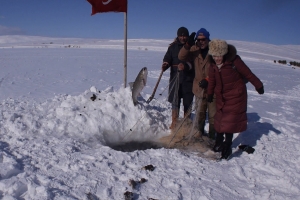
(99, 6)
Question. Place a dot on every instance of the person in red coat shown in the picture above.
(226, 80)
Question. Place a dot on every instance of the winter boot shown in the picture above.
(227, 150)
(174, 118)
(219, 142)
(212, 132)
(201, 125)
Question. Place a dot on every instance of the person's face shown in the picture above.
(202, 41)
(218, 59)
(182, 39)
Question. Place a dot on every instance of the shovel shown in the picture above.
(153, 93)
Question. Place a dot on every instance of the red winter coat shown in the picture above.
(231, 92)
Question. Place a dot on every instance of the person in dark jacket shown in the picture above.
(181, 76)
(226, 81)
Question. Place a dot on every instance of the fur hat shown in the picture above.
(182, 31)
(204, 32)
(217, 47)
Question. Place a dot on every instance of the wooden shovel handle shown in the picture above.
(153, 93)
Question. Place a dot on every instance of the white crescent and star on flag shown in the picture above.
(106, 2)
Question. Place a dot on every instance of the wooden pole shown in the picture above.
(125, 49)
(153, 93)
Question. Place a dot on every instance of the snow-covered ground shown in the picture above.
(56, 143)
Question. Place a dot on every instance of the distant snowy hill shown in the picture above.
(247, 49)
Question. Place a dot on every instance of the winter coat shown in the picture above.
(231, 93)
(186, 76)
(201, 66)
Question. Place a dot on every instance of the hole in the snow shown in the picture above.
(133, 146)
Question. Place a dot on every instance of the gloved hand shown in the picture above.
(210, 98)
(247, 148)
(165, 66)
(180, 66)
(203, 83)
(260, 90)
(191, 40)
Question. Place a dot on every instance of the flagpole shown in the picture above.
(125, 49)
(115, 6)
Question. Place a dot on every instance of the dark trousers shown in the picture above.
(228, 138)
(187, 99)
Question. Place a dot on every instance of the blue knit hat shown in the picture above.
(204, 32)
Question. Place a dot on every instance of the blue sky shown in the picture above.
(268, 21)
